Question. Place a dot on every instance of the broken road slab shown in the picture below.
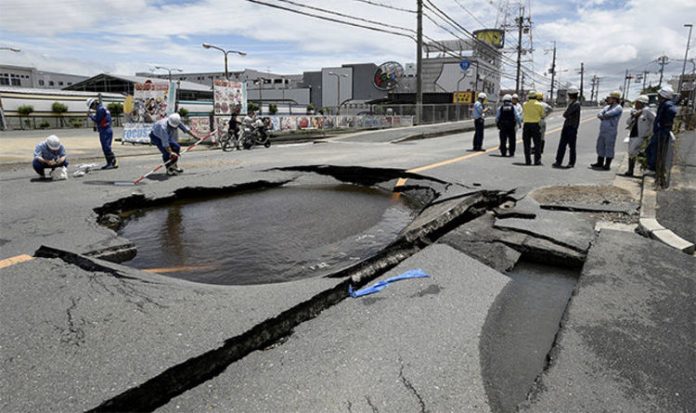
(628, 341)
(412, 347)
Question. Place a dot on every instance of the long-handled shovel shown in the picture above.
(160, 166)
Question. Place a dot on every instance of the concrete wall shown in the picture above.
(363, 82)
(330, 89)
(312, 81)
(20, 76)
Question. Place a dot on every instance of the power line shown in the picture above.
(275, 6)
(346, 15)
(470, 13)
(387, 6)
(444, 16)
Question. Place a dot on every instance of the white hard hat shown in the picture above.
(573, 90)
(531, 94)
(174, 120)
(666, 92)
(90, 102)
(643, 99)
(53, 142)
(482, 95)
(507, 98)
(514, 96)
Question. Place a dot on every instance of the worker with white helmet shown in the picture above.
(165, 136)
(640, 125)
(102, 119)
(507, 119)
(542, 124)
(516, 103)
(660, 141)
(569, 133)
(479, 113)
(531, 132)
(608, 129)
(49, 154)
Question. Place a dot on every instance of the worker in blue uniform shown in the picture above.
(102, 120)
(165, 136)
(664, 119)
(508, 120)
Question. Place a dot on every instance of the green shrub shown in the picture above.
(183, 112)
(44, 125)
(252, 106)
(272, 109)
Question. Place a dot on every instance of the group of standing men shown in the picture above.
(642, 124)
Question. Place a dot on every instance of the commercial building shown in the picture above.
(25, 76)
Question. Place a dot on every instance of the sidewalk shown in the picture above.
(676, 206)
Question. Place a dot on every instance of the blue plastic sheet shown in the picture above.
(381, 285)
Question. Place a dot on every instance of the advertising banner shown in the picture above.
(290, 123)
(151, 102)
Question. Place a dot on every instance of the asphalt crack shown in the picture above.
(411, 388)
(74, 334)
(372, 406)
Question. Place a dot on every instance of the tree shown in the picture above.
(310, 109)
(252, 107)
(59, 109)
(25, 110)
(272, 109)
(116, 109)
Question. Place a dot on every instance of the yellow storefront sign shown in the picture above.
(463, 97)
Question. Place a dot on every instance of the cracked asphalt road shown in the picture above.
(413, 347)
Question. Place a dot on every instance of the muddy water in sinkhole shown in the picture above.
(267, 236)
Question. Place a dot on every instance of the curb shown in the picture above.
(648, 224)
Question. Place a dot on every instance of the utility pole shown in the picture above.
(597, 89)
(623, 89)
(520, 21)
(686, 57)
(592, 92)
(582, 79)
(419, 62)
(645, 79)
(553, 72)
(662, 61)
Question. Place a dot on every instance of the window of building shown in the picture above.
(69, 83)
(16, 82)
(51, 83)
(4, 81)
(60, 83)
(41, 82)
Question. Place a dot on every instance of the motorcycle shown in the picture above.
(256, 134)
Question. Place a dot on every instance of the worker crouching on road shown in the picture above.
(640, 125)
(479, 114)
(102, 119)
(608, 128)
(507, 119)
(569, 133)
(50, 154)
(531, 131)
(165, 136)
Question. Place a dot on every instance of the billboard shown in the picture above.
(388, 75)
(150, 102)
(493, 37)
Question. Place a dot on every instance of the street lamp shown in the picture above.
(686, 56)
(225, 52)
(338, 96)
(169, 70)
(260, 80)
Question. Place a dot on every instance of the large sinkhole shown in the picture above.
(267, 236)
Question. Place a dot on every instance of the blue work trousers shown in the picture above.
(39, 167)
(106, 136)
(478, 134)
(176, 148)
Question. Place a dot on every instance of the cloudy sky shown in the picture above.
(117, 36)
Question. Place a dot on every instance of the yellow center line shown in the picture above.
(7, 262)
(402, 181)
